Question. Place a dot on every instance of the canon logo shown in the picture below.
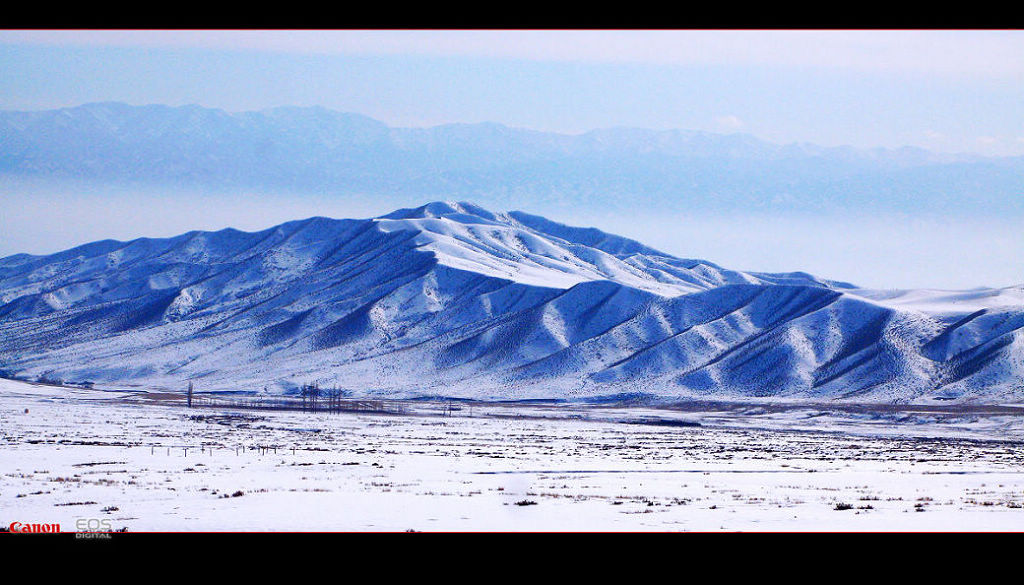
(19, 527)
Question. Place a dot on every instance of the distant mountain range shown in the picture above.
(301, 149)
(450, 299)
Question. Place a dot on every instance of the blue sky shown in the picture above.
(951, 91)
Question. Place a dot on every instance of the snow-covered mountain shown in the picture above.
(452, 299)
(300, 149)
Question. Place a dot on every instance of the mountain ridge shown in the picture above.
(314, 149)
(450, 298)
(637, 138)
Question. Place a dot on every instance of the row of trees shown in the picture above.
(325, 398)
(313, 398)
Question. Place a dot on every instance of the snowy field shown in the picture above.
(146, 463)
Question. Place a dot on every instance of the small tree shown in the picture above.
(314, 394)
(334, 398)
(310, 393)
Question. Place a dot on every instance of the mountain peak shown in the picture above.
(440, 209)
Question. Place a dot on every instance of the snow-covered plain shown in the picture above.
(145, 463)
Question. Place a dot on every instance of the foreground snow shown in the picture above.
(151, 465)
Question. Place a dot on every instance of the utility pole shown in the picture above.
(190, 393)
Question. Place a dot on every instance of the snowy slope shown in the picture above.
(452, 299)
